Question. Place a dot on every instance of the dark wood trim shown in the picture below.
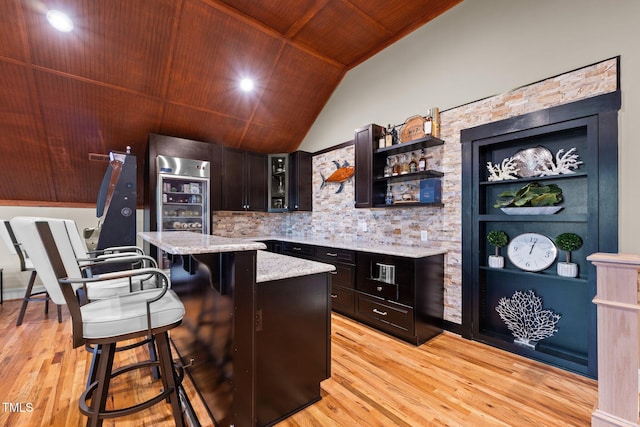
(455, 328)
(335, 147)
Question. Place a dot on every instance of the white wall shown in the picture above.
(485, 47)
(15, 281)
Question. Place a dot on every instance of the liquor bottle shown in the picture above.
(435, 122)
(428, 123)
(394, 136)
(422, 162)
(404, 166)
(382, 141)
(388, 199)
(387, 168)
(413, 165)
(395, 166)
(388, 137)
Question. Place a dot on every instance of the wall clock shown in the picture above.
(532, 251)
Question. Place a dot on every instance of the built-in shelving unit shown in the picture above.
(381, 182)
(371, 183)
(589, 209)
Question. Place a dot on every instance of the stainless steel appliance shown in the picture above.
(183, 195)
(386, 273)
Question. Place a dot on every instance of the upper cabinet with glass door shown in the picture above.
(278, 183)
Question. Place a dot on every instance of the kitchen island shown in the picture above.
(257, 326)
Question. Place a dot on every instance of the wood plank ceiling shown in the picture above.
(134, 67)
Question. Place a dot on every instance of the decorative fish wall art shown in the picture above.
(340, 175)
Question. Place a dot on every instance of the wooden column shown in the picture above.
(618, 339)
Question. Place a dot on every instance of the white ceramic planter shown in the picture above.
(496, 261)
(567, 269)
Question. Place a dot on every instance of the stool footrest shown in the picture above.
(114, 413)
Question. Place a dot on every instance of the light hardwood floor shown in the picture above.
(376, 381)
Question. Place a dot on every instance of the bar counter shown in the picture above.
(257, 325)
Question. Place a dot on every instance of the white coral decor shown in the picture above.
(566, 163)
(506, 170)
(525, 318)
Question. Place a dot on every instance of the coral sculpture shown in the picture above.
(506, 170)
(566, 163)
(525, 318)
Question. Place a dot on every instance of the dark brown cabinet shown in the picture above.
(363, 141)
(293, 347)
(244, 180)
(300, 192)
(401, 296)
(408, 303)
(343, 279)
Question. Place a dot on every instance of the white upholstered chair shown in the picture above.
(13, 245)
(108, 321)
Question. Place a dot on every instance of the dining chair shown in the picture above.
(13, 245)
(108, 321)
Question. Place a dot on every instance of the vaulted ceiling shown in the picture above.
(134, 67)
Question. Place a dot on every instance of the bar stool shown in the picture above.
(11, 242)
(106, 322)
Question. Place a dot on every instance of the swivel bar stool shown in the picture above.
(108, 321)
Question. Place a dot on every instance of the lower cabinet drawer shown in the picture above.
(343, 300)
(299, 250)
(378, 288)
(344, 275)
(386, 315)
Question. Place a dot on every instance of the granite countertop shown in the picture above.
(272, 266)
(186, 242)
(357, 245)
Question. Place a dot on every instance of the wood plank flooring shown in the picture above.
(376, 381)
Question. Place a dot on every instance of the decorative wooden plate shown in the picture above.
(412, 129)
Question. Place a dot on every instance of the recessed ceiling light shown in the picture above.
(60, 21)
(246, 84)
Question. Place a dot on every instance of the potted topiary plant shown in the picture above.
(498, 239)
(568, 242)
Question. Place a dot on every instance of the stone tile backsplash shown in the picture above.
(334, 214)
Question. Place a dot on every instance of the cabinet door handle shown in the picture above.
(334, 296)
(295, 248)
(381, 313)
(331, 254)
(379, 288)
